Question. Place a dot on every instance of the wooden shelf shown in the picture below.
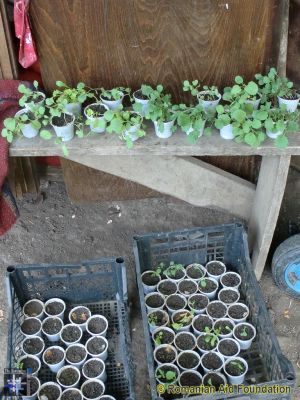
(177, 145)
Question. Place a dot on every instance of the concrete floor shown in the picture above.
(57, 231)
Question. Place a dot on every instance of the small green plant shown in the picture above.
(173, 268)
(185, 319)
(211, 338)
(122, 122)
(159, 269)
(244, 332)
(272, 85)
(228, 328)
(241, 91)
(192, 121)
(158, 338)
(280, 120)
(208, 93)
(203, 283)
(19, 365)
(115, 93)
(210, 382)
(237, 364)
(152, 319)
(30, 97)
(168, 376)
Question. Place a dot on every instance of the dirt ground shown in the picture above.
(55, 230)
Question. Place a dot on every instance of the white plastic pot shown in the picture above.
(74, 385)
(255, 103)
(65, 132)
(30, 338)
(233, 355)
(188, 368)
(49, 384)
(167, 280)
(56, 300)
(32, 105)
(70, 343)
(131, 133)
(149, 289)
(171, 310)
(55, 367)
(144, 103)
(196, 332)
(194, 372)
(208, 104)
(195, 265)
(200, 132)
(244, 344)
(41, 314)
(93, 380)
(102, 376)
(104, 353)
(227, 132)
(55, 337)
(107, 397)
(291, 105)
(274, 135)
(197, 311)
(206, 355)
(246, 314)
(80, 363)
(112, 104)
(234, 290)
(81, 325)
(67, 391)
(167, 365)
(236, 380)
(217, 373)
(33, 396)
(27, 130)
(172, 278)
(153, 327)
(168, 347)
(149, 295)
(216, 277)
(167, 129)
(35, 358)
(185, 328)
(37, 333)
(230, 322)
(184, 333)
(202, 351)
(73, 108)
(95, 119)
(96, 316)
(187, 295)
(231, 273)
(211, 295)
(163, 329)
(215, 302)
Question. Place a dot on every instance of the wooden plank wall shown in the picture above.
(113, 42)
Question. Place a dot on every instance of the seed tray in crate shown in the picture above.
(101, 286)
(227, 243)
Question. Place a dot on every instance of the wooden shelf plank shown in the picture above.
(177, 145)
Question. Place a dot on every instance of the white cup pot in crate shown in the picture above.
(113, 104)
(154, 301)
(76, 354)
(70, 334)
(97, 347)
(55, 307)
(139, 98)
(31, 364)
(216, 309)
(227, 132)
(97, 325)
(70, 394)
(163, 335)
(188, 359)
(79, 316)
(107, 397)
(231, 280)
(54, 391)
(244, 333)
(68, 377)
(35, 384)
(175, 272)
(224, 327)
(51, 328)
(215, 269)
(175, 302)
(187, 287)
(165, 353)
(92, 389)
(201, 324)
(54, 357)
(184, 379)
(33, 346)
(28, 130)
(208, 104)
(64, 126)
(34, 308)
(212, 361)
(195, 272)
(96, 120)
(31, 105)
(182, 320)
(235, 369)
(163, 130)
(185, 341)
(208, 379)
(156, 319)
(207, 342)
(94, 368)
(198, 303)
(150, 281)
(238, 312)
(209, 287)
(73, 108)
(229, 296)
(31, 327)
(228, 348)
(166, 287)
(291, 104)
(161, 374)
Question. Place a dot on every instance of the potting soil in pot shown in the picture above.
(96, 345)
(154, 301)
(244, 332)
(230, 280)
(52, 326)
(150, 279)
(71, 395)
(190, 379)
(97, 325)
(54, 308)
(212, 379)
(224, 327)
(31, 363)
(49, 392)
(93, 369)
(53, 356)
(80, 315)
(166, 355)
(215, 269)
(71, 333)
(75, 354)
(63, 120)
(195, 272)
(199, 302)
(187, 287)
(163, 337)
(68, 377)
(167, 288)
(33, 309)
(237, 311)
(185, 342)
(175, 302)
(202, 322)
(33, 345)
(216, 310)
(235, 368)
(33, 385)
(188, 360)
(30, 326)
(228, 348)
(211, 361)
(92, 390)
(207, 287)
(229, 296)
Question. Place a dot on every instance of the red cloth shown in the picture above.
(9, 105)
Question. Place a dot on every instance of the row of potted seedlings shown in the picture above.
(197, 323)
(251, 111)
(75, 352)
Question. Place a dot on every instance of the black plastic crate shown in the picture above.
(228, 243)
(100, 285)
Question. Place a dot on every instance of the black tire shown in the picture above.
(286, 253)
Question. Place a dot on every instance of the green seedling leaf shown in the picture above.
(281, 141)
(44, 134)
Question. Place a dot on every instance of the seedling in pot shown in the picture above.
(157, 318)
(114, 94)
(242, 92)
(224, 326)
(49, 390)
(192, 121)
(207, 342)
(198, 303)
(209, 93)
(201, 323)
(195, 271)
(236, 369)
(31, 98)
(279, 123)
(209, 287)
(163, 336)
(215, 379)
(175, 271)
(31, 364)
(182, 319)
(150, 281)
(244, 333)
(95, 117)
(167, 374)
